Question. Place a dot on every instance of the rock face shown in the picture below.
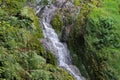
(68, 13)
(66, 10)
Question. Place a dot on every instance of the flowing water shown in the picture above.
(53, 43)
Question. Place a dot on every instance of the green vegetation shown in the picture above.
(44, 2)
(76, 39)
(77, 2)
(95, 39)
(57, 23)
(22, 56)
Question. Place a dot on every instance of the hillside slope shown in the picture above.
(22, 56)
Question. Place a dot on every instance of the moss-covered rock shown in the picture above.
(77, 2)
(57, 23)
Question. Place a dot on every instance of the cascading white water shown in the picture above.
(53, 43)
(60, 51)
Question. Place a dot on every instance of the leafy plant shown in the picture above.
(57, 23)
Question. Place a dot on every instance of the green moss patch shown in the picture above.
(57, 23)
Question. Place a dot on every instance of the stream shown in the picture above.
(53, 43)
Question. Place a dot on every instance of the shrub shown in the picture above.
(57, 23)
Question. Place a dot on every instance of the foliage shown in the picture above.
(57, 23)
(68, 17)
(35, 25)
(76, 42)
(77, 2)
(12, 6)
(102, 31)
(95, 39)
(22, 56)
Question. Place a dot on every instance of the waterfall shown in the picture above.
(53, 43)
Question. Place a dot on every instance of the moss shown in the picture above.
(77, 2)
(57, 23)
